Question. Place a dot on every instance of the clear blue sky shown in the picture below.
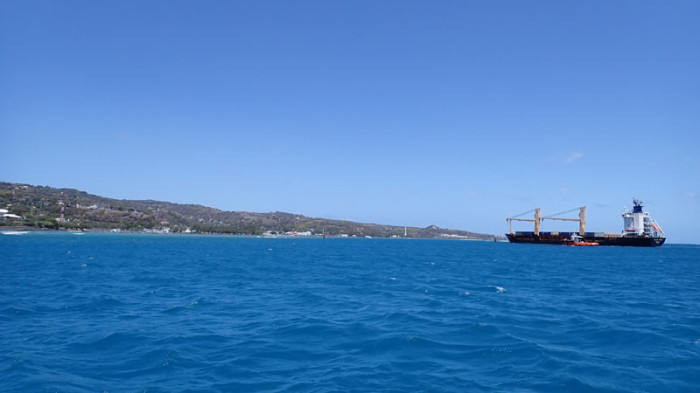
(453, 113)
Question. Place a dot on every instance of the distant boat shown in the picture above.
(640, 230)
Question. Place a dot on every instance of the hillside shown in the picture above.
(39, 207)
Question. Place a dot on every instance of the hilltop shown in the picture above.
(42, 207)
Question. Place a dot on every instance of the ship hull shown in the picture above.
(564, 237)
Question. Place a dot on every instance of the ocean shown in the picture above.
(190, 313)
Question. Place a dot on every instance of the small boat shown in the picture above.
(576, 240)
(581, 243)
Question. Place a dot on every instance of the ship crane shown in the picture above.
(581, 218)
(538, 219)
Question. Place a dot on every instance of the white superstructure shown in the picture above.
(638, 222)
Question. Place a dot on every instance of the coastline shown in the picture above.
(4, 229)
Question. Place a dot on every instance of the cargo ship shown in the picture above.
(640, 230)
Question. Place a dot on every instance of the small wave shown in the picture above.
(14, 233)
(500, 289)
(100, 303)
(114, 340)
(174, 310)
(167, 359)
(15, 311)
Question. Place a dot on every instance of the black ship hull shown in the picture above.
(602, 240)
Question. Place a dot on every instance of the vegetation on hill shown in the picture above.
(42, 207)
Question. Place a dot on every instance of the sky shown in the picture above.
(450, 113)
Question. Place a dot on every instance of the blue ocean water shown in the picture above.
(149, 313)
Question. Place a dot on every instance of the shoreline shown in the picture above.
(267, 236)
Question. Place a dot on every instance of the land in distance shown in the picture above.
(43, 207)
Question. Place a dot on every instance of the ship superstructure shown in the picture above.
(639, 230)
(638, 222)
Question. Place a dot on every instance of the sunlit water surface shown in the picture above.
(147, 313)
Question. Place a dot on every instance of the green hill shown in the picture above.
(42, 207)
